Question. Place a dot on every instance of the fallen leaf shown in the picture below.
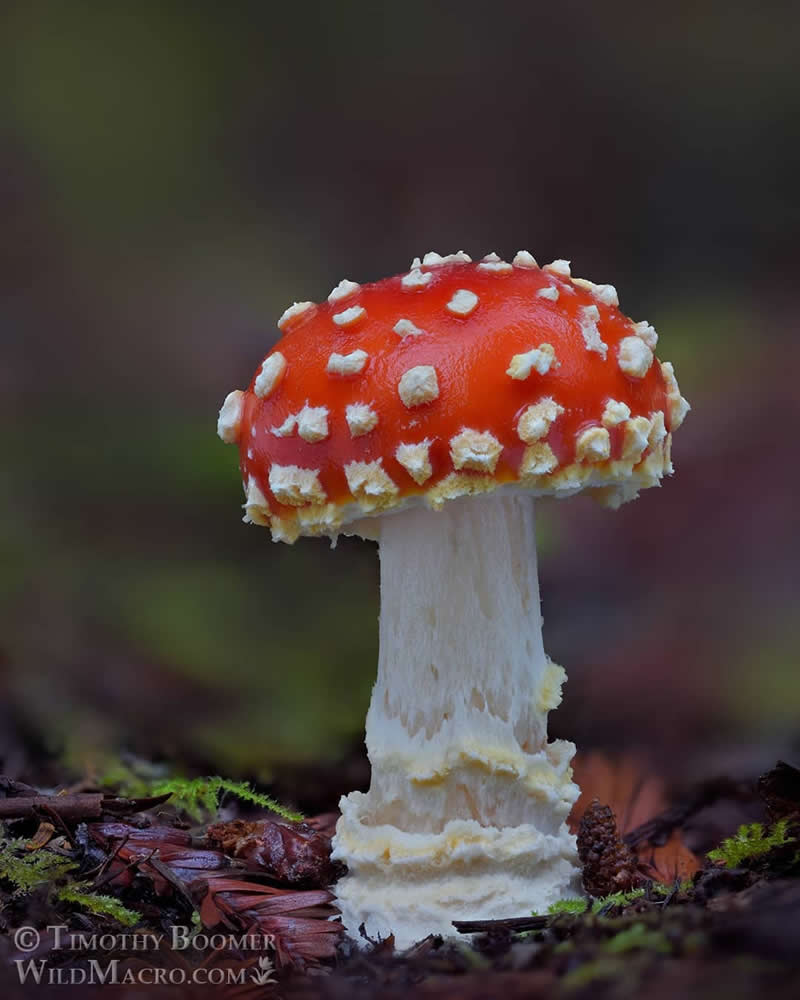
(293, 853)
(623, 785)
(669, 861)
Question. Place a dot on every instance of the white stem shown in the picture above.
(457, 728)
(461, 657)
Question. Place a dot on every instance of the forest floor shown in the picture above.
(210, 888)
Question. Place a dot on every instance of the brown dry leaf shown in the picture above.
(186, 863)
(299, 921)
(292, 853)
(132, 848)
(669, 861)
(42, 837)
(324, 823)
(634, 798)
(149, 835)
(622, 784)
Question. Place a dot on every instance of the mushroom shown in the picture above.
(427, 411)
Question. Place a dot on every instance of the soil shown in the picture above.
(662, 918)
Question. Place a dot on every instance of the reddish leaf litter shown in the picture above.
(692, 928)
(292, 854)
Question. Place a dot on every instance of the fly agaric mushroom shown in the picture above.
(444, 400)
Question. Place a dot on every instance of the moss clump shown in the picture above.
(616, 899)
(662, 891)
(106, 906)
(576, 906)
(26, 870)
(749, 842)
(573, 906)
(199, 797)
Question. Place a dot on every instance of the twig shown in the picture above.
(13, 787)
(72, 808)
(511, 924)
(67, 807)
(121, 807)
(169, 875)
(133, 864)
(103, 867)
(676, 888)
(58, 821)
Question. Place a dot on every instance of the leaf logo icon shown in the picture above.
(265, 976)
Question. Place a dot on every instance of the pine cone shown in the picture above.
(608, 863)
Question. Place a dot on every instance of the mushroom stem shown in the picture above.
(465, 816)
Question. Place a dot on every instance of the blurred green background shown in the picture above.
(173, 175)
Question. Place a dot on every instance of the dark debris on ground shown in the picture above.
(723, 931)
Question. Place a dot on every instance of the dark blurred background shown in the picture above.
(172, 176)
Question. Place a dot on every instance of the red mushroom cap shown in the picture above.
(454, 378)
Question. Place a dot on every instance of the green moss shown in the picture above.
(577, 906)
(199, 796)
(26, 870)
(638, 937)
(106, 906)
(662, 891)
(750, 841)
(574, 906)
(616, 899)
